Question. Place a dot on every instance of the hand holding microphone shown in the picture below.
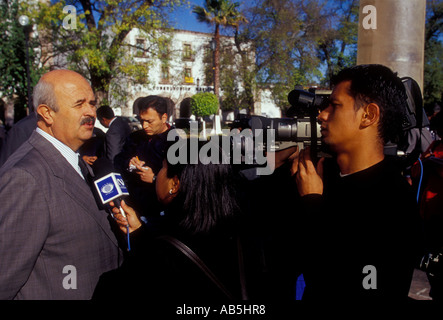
(129, 221)
(111, 187)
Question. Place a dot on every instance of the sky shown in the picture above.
(184, 19)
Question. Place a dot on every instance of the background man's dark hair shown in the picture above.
(106, 112)
(157, 103)
(185, 108)
(375, 83)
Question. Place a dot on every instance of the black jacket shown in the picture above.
(151, 150)
(369, 218)
(115, 138)
(156, 271)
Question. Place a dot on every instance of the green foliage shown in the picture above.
(222, 12)
(98, 47)
(297, 41)
(13, 82)
(433, 75)
(218, 13)
(204, 104)
(237, 78)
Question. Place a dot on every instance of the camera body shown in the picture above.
(274, 134)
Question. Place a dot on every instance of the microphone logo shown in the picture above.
(107, 188)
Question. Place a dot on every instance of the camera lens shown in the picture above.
(287, 130)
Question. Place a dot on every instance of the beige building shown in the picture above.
(186, 73)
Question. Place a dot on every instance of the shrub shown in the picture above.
(204, 104)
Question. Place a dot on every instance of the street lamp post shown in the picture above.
(213, 45)
(24, 22)
(216, 130)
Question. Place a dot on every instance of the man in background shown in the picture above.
(142, 155)
(118, 131)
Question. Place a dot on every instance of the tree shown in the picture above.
(13, 84)
(219, 13)
(337, 36)
(433, 77)
(286, 53)
(297, 40)
(95, 45)
(238, 74)
(204, 104)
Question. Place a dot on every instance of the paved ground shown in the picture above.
(420, 286)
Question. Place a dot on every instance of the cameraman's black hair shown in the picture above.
(206, 200)
(157, 103)
(375, 83)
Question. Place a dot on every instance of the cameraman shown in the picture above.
(360, 213)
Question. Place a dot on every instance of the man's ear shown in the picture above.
(46, 114)
(370, 115)
(164, 117)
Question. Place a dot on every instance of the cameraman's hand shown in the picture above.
(283, 156)
(308, 179)
(131, 217)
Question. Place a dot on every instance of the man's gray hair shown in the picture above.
(44, 94)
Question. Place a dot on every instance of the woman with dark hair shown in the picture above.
(196, 254)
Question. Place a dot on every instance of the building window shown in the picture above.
(165, 74)
(187, 52)
(188, 76)
(140, 47)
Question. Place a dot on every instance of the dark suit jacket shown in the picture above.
(54, 241)
(116, 137)
(18, 134)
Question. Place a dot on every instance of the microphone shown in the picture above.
(110, 187)
(109, 184)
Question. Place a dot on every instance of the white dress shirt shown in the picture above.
(70, 155)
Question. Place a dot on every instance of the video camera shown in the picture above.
(294, 129)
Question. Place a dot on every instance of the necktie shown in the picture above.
(84, 170)
(90, 181)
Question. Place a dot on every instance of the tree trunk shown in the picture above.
(217, 61)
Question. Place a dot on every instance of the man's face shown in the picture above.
(152, 122)
(74, 122)
(340, 123)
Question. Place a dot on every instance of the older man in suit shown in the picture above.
(54, 240)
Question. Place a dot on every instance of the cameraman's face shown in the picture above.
(340, 123)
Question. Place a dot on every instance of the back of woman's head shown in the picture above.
(206, 195)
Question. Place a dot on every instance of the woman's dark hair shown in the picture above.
(375, 83)
(206, 197)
